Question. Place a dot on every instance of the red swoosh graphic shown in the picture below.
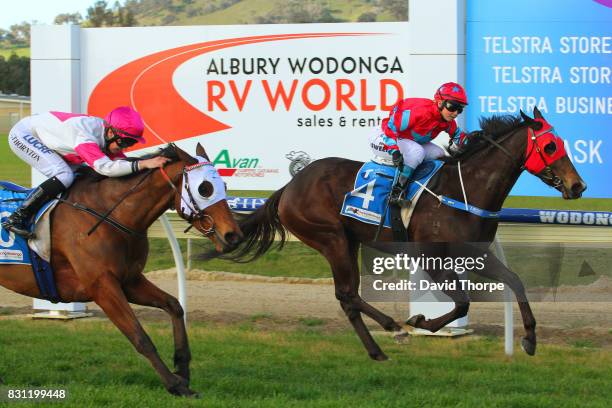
(146, 85)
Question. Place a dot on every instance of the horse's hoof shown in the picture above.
(400, 336)
(379, 356)
(182, 391)
(181, 388)
(194, 395)
(415, 320)
(185, 378)
(527, 346)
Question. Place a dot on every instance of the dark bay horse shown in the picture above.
(106, 266)
(309, 207)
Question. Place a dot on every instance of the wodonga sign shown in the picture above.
(261, 99)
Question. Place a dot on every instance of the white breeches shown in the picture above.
(31, 150)
(413, 152)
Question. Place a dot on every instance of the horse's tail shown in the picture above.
(261, 230)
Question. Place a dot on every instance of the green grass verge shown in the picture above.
(21, 52)
(243, 365)
(558, 203)
(295, 260)
(12, 168)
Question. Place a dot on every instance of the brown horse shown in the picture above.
(106, 266)
(309, 207)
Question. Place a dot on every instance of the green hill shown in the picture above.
(202, 12)
(214, 12)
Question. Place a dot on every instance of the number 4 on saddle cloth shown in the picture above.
(373, 183)
(14, 249)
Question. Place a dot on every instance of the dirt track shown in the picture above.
(213, 296)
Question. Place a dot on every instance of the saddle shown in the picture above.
(367, 202)
(36, 252)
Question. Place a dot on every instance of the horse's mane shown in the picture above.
(495, 127)
(169, 151)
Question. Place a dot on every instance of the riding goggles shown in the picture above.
(452, 106)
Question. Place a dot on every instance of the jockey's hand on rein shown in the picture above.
(152, 163)
(398, 159)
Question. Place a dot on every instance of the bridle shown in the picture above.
(547, 175)
(198, 215)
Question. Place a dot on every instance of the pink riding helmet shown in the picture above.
(451, 91)
(126, 122)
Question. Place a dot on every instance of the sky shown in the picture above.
(42, 10)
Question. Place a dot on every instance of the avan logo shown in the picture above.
(239, 166)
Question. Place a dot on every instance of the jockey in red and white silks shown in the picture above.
(56, 143)
(406, 135)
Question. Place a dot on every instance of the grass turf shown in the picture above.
(12, 168)
(20, 51)
(244, 365)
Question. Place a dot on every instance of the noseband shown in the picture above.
(197, 215)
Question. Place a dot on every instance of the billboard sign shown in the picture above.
(254, 96)
(555, 55)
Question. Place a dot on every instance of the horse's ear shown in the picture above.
(530, 122)
(536, 113)
(526, 118)
(201, 152)
(184, 157)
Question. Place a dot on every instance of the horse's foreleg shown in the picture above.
(342, 258)
(386, 322)
(145, 293)
(497, 271)
(110, 297)
(461, 299)
(350, 307)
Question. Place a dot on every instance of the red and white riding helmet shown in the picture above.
(451, 91)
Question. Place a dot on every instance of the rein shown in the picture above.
(106, 216)
(546, 174)
(127, 193)
(102, 217)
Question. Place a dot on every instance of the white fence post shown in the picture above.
(178, 260)
(508, 315)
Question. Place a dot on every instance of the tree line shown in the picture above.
(15, 75)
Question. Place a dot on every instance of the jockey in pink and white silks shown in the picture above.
(56, 143)
(406, 135)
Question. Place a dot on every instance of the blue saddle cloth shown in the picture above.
(373, 183)
(14, 249)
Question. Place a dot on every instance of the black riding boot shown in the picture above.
(397, 191)
(17, 222)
